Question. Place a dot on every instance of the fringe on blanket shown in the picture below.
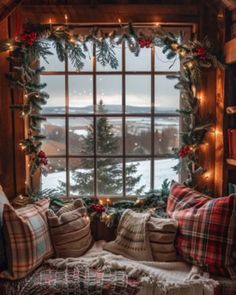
(154, 280)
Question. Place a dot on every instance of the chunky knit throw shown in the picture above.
(132, 239)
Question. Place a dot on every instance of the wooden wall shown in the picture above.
(12, 172)
(12, 163)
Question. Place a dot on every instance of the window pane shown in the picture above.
(138, 176)
(163, 170)
(138, 94)
(109, 98)
(109, 176)
(118, 53)
(109, 136)
(54, 130)
(53, 62)
(166, 96)
(138, 136)
(80, 94)
(142, 62)
(81, 136)
(166, 135)
(56, 177)
(162, 64)
(82, 176)
(88, 61)
(56, 89)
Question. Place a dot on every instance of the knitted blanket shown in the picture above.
(132, 239)
(156, 278)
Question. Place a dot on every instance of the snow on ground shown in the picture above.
(163, 170)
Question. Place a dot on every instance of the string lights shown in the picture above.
(193, 56)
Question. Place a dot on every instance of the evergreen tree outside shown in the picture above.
(109, 170)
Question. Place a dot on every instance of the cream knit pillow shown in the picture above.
(70, 230)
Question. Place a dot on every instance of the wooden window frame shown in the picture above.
(152, 115)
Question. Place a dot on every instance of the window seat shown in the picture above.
(82, 280)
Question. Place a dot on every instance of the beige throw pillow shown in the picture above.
(162, 235)
(70, 230)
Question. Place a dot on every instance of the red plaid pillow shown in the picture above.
(206, 229)
(27, 238)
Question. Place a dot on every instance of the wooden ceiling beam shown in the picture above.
(108, 13)
(8, 9)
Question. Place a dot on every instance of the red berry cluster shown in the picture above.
(184, 151)
(29, 38)
(42, 158)
(98, 208)
(201, 52)
(145, 43)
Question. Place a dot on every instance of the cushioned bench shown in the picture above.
(83, 281)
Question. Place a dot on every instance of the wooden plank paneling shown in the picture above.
(18, 122)
(12, 168)
(110, 13)
(7, 178)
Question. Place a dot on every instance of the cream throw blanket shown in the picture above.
(157, 278)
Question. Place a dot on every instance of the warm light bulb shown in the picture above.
(101, 202)
(190, 65)
(207, 175)
(174, 46)
(87, 218)
(50, 21)
(157, 25)
(119, 20)
(66, 18)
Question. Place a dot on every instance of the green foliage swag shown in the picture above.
(35, 43)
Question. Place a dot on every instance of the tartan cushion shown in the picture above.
(3, 200)
(26, 234)
(206, 229)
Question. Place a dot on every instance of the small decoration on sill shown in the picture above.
(33, 44)
(98, 208)
(145, 43)
(21, 201)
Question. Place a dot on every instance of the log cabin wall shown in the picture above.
(204, 15)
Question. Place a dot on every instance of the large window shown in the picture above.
(111, 132)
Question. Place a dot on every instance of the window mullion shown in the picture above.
(152, 115)
(67, 127)
(94, 121)
(123, 119)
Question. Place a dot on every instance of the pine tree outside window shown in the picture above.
(111, 132)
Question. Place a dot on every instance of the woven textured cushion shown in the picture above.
(70, 230)
(27, 237)
(3, 200)
(162, 233)
(206, 229)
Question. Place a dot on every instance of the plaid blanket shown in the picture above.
(76, 281)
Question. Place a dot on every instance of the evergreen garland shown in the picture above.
(33, 43)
